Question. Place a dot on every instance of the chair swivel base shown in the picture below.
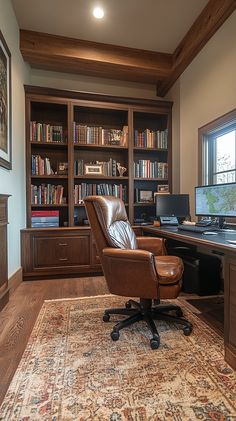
(144, 311)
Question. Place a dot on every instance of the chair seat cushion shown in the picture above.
(169, 269)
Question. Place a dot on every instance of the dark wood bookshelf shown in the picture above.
(95, 112)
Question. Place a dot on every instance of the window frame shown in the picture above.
(219, 125)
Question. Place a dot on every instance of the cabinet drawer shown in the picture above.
(60, 251)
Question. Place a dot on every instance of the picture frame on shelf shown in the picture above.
(145, 196)
(62, 168)
(163, 188)
(5, 105)
(93, 169)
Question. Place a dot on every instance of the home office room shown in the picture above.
(117, 210)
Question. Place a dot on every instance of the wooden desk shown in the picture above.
(216, 244)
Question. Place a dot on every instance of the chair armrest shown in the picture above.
(129, 254)
(153, 244)
(130, 273)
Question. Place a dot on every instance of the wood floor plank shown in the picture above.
(17, 319)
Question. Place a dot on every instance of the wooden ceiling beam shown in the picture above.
(208, 22)
(95, 59)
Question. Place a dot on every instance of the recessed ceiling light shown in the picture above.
(98, 12)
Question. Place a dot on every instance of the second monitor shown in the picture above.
(171, 208)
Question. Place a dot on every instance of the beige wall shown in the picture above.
(91, 84)
(13, 182)
(207, 91)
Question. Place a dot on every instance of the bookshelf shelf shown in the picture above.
(149, 149)
(99, 147)
(150, 179)
(56, 145)
(144, 204)
(51, 176)
(62, 205)
(99, 177)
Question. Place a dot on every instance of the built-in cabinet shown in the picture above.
(3, 250)
(79, 144)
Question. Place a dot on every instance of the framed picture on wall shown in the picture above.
(5, 105)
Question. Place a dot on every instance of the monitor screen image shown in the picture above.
(172, 205)
(216, 200)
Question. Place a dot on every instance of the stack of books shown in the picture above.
(44, 218)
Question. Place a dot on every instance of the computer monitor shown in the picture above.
(172, 205)
(217, 200)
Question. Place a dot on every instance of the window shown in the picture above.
(218, 151)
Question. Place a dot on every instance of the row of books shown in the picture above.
(47, 194)
(86, 189)
(41, 166)
(44, 218)
(107, 168)
(146, 168)
(42, 132)
(151, 139)
(96, 135)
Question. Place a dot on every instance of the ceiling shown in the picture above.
(150, 41)
(157, 25)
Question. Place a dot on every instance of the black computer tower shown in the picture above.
(202, 274)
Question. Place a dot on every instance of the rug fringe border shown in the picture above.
(80, 298)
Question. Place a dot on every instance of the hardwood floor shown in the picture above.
(18, 317)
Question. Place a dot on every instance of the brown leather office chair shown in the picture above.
(135, 267)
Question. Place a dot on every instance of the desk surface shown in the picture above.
(218, 241)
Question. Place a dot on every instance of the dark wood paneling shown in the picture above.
(230, 311)
(3, 251)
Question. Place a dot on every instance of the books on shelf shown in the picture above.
(151, 139)
(47, 194)
(44, 218)
(97, 135)
(42, 132)
(87, 189)
(41, 166)
(108, 168)
(145, 168)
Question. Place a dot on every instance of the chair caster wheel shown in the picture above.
(187, 330)
(155, 342)
(179, 312)
(106, 317)
(127, 304)
(115, 335)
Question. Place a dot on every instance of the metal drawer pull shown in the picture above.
(63, 258)
(62, 244)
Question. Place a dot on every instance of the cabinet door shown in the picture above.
(59, 251)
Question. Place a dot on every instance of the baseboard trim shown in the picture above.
(15, 280)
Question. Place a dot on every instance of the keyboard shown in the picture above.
(196, 228)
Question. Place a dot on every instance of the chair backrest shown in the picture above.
(109, 223)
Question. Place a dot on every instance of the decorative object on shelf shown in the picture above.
(121, 170)
(163, 188)
(93, 169)
(62, 168)
(5, 105)
(145, 196)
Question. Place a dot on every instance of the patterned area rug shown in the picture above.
(72, 370)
